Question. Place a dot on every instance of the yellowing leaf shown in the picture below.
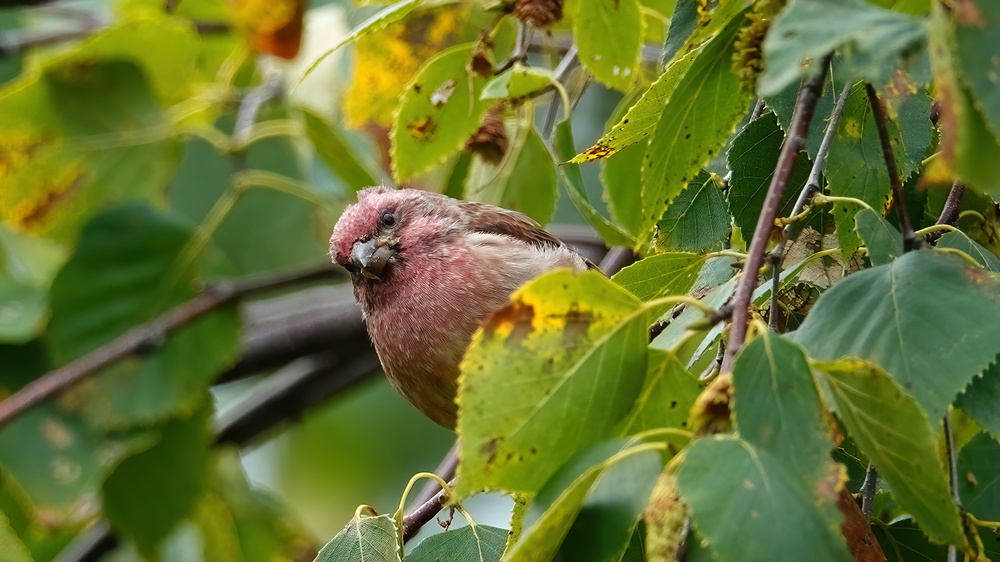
(272, 26)
(554, 371)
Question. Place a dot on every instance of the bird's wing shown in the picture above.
(496, 220)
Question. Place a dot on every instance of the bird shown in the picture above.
(427, 270)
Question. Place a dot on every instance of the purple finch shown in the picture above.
(427, 270)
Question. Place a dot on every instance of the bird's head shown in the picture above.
(373, 235)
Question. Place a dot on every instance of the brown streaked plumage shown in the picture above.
(427, 270)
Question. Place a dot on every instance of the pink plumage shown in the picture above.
(427, 270)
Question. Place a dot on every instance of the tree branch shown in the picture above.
(149, 335)
(419, 517)
(910, 240)
(949, 214)
(867, 492)
(794, 140)
(808, 190)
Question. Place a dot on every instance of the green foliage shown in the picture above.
(590, 341)
(872, 406)
(752, 499)
(891, 315)
(366, 537)
(147, 161)
(476, 543)
(615, 63)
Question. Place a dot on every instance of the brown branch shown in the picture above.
(794, 140)
(419, 517)
(910, 240)
(949, 214)
(149, 335)
(808, 190)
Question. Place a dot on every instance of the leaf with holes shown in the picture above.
(609, 36)
(892, 430)
(641, 119)
(566, 343)
(437, 112)
(926, 318)
(700, 115)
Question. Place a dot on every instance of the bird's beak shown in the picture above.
(371, 258)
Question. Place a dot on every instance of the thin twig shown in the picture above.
(910, 240)
(808, 190)
(148, 335)
(949, 441)
(794, 140)
(251, 105)
(617, 258)
(949, 214)
(867, 492)
(419, 517)
(521, 46)
(565, 66)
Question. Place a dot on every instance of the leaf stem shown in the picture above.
(910, 240)
(821, 199)
(937, 227)
(798, 130)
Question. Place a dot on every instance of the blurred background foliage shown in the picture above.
(150, 149)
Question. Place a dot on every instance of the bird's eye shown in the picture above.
(387, 219)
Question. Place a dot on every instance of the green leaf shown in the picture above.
(524, 181)
(977, 42)
(697, 220)
(855, 166)
(751, 158)
(872, 41)
(979, 477)
(883, 241)
(671, 273)
(777, 407)
(336, 153)
(926, 319)
(903, 541)
(148, 493)
(124, 273)
(609, 36)
(742, 497)
(475, 543)
(517, 82)
(77, 138)
(608, 473)
(577, 190)
(367, 538)
(621, 175)
(641, 119)
(961, 241)
(565, 343)
(889, 426)
(695, 21)
(970, 147)
(980, 400)
(667, 395)
(700, 115)
(10, 545)
(437, 112)
(611, 509)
